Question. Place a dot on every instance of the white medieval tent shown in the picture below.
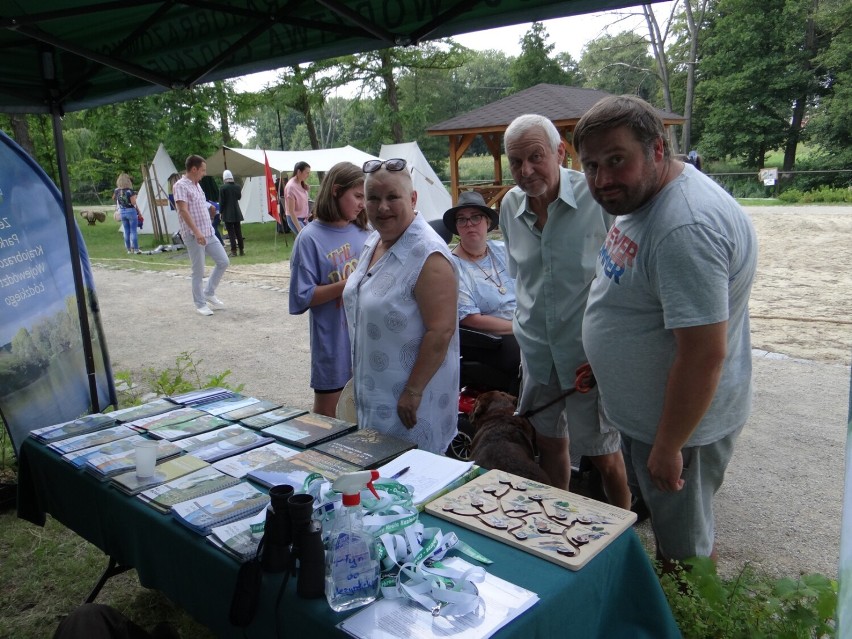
(159, 171)
(249, 170)
(432, 196)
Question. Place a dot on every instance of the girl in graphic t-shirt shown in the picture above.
(324, 254)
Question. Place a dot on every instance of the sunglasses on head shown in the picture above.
(395, 164)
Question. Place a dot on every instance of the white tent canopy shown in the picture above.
(433, 199)
(249, 162)
(159, 171)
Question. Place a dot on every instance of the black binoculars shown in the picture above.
(291, 537)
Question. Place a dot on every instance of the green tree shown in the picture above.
(756, 78)
(536, 64)
(620, 64)
(831, 123)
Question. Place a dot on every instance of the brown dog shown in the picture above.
(503, 440)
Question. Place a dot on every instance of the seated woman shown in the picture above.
(486, 292)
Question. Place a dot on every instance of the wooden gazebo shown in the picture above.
(563, 105)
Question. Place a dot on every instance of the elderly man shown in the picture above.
(666, 327)
(197, 231)
(553, 231)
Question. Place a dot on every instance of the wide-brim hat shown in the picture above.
(470, 200)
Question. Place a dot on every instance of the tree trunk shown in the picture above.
(222, 109)
(21, 133)
(386, 73)
(658, 44)
(801, 102)
(304, 106)
(692, 27)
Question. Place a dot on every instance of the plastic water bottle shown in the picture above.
(352, 566)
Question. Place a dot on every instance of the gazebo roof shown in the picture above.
(560, 104)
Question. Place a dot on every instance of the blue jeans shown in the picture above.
(197, 254)
(302, 221)
(130, 224)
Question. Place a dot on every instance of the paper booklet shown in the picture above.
(271, 417)
(220, 406)
(309, 429)
(97, 438)
(366, 447)
(106, 465)
(261, 406)
(194, 426)
(175, 416)
(239, 539)
(125, 445)
(294, 470)
(239, 465)
(203, 396)
(155, 407)
(222, 448)
(502, 601)
(131, 484)
(427, 473)
(219, 508)
(201, 482)
(80, 426)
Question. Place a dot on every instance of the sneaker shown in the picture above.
(215, 302)
(204, 310)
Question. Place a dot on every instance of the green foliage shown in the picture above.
(753, 68)
(750, 606)
(535, 64)
(184, 377)
(822, 195)
(619, 64)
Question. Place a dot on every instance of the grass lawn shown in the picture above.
(105, 242)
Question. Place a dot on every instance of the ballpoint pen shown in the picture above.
(400, 473)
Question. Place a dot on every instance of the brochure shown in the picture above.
(201, 482)
(240, 465)
(219, 508)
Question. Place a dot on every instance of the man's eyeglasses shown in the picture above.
(395, 164)
(472, 220)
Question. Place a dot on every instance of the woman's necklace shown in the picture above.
(494, 276)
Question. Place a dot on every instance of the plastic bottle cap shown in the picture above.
(351, 500)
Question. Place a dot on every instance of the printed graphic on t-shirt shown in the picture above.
(617, 253)
(342, 262)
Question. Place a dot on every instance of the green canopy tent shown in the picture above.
(65, 55)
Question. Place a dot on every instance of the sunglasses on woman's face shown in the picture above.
(472, 220)
(395, 164)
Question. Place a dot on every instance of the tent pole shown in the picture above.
(76, 270)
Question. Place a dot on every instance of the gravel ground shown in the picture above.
(781, 502)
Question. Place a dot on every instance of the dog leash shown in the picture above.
(583, 383)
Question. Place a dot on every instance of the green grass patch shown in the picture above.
(105, 242)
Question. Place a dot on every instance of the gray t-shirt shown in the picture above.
(686, 258)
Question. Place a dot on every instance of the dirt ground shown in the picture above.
(781, 502)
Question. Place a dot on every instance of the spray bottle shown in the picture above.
(352, 566)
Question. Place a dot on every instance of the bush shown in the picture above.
(750, 605)
(824, 194)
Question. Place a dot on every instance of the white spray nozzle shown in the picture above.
(351, 484)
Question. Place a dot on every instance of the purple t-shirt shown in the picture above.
(324, 254)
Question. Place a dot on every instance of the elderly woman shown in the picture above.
(486, 292)
(401, 309)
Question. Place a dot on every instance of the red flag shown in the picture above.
(271, 192)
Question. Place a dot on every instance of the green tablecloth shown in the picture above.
(616, 595)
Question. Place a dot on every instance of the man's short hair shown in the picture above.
(523, 124)
(615, 111)
(193, 161)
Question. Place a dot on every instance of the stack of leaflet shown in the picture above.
(131, 484)
(269, 418)
(201, 482)
(132, 413)
(240, 465)
(124, 446)
(309, 430)
(224, 442)
(260, 406)
(203, 396)
(105, 465)
(81, 426)
(240, 539)
(194, 426)
(222, 507)
(91, 440)
(174, 416)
